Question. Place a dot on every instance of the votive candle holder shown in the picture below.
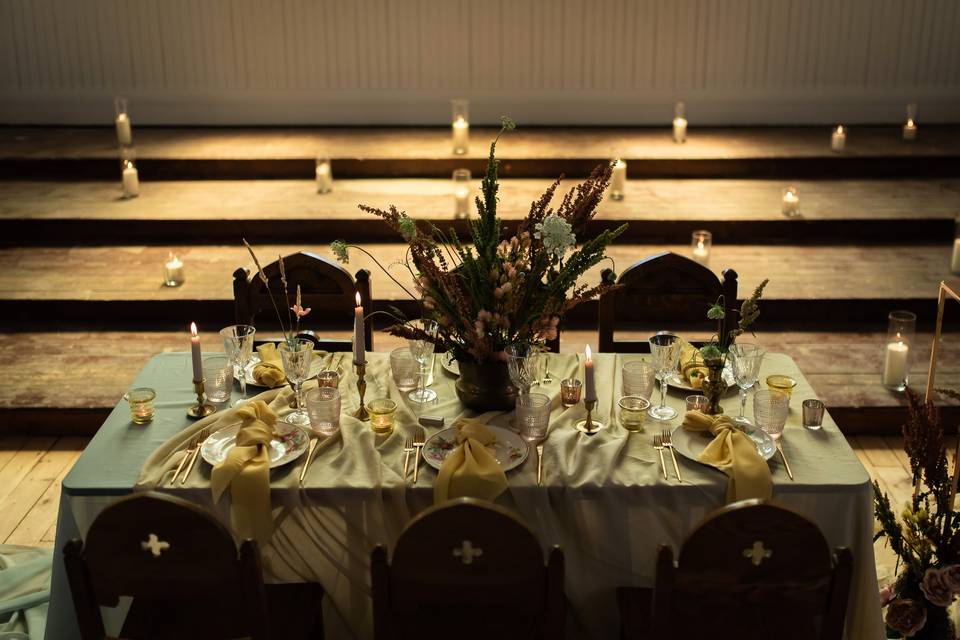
(382, 413)
(570, 390)
(141, 404)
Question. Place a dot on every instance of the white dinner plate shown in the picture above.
(691, 445)
(510, 450)
(450, 364)
(679, 382)
(289, 443)
(316, 366)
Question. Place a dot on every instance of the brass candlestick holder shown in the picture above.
(361, 413)
(589, 426)
(203, 408)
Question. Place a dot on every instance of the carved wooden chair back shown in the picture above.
(662, 291)
(752, 570)
(327, 288)
(158, 548)
(472, 566)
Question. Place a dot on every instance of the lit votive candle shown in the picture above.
(141, 404)
(838, 141)
(324, 175)
(910, 128)
(895, 365)
(461, 193)
(381, 413)
(679, 124)
(700, 244)
(791, 202)
(122, 123)
(173, 271)
(461, 126)
(130, 180)
(618, 179)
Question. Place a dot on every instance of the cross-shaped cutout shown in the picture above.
(757, 553)
(467, 552)
(155, 545)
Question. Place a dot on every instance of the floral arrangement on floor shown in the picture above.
(926, 539)
(495, 290)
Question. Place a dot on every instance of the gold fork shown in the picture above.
(419, 438)
(407, 448)
(191, 449)
(658, 445)
(668, 443)
(201, 438)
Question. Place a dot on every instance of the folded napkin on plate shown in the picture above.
(246, 471)
(471, 469)
(733, 453)
(692, 369)
(269, 371)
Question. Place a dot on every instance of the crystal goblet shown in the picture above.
(746, 360)
(422, 350)
(665, 348)
(238, 344)
(297, 355)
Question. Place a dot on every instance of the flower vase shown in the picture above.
(486, 386)
(713, 386)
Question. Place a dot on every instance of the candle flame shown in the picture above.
(193, 328)
(358, 298)
(589, 353)
(700, 244)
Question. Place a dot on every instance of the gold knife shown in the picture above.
(785, 463)
(193, 460)
(183, 461)
(310, 449)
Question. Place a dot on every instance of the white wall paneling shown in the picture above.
(543, 61)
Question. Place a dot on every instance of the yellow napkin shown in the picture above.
(692, 368)
(471, 470)
(246, 471)
(733, 453)
(269, 371)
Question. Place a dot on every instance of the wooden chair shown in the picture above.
(665, 289)
(327, 288)
(182, 569)
(750, 570)
(472, 569)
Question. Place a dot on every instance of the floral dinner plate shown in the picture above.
(677, 381)
(450, 364)
(289, 443)
(510, 449)
(691, 445)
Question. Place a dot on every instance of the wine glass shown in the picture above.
(297, 354)
(665, 348)
(746, 370)
(238, 343)
(422, 350)
(521, 365)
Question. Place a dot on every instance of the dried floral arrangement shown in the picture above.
(295, 312)
(493, 291)
(926, 539)
(719, 346)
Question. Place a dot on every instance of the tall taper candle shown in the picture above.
(590, 394)
(359, 334)
(195, 353)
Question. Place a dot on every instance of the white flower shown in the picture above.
(556, 235)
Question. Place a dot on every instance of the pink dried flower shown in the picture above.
(300, 311)
(906, 616)
(936, 589)
(951, 576)
(887, 594)
(498, 293)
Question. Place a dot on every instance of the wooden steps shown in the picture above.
(230, 153)
(735, 211)
(113, 287)
(68, 381)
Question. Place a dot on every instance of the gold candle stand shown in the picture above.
(589, 426)
(361, 413)
(203, 408)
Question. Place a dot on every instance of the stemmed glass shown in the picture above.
(238, 343)
(422, 351)
(521, 365)
(297, 355)
(746, 370)
(665, 348)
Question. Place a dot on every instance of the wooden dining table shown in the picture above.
(603, 499)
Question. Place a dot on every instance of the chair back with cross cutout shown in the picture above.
(158, 548)
(661, 292)
(327, 289)
(752, 570)
(472, 566)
